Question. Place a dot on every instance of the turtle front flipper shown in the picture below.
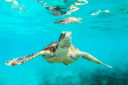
(24, 59)
(91, 58)
(21, 60)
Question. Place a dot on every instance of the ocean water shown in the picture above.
(26, 27)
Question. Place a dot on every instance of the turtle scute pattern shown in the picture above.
(51, 47)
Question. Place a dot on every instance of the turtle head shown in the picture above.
(65, 39)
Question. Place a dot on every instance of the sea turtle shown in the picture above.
(69, 20)
(61, 51)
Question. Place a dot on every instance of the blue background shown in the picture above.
(104, 35)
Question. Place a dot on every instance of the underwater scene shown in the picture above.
(68, 42)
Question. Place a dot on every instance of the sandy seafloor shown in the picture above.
(29, 29)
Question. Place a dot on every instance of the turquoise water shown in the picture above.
(103, 32)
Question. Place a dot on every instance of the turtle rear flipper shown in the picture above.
(21, 60)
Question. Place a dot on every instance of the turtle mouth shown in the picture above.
(65, 39)
(65, 36)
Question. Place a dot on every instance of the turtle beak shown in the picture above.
(65, 39)
(65, 36)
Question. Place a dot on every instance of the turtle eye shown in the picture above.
(62, 36)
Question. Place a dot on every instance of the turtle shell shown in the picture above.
(51, 47)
